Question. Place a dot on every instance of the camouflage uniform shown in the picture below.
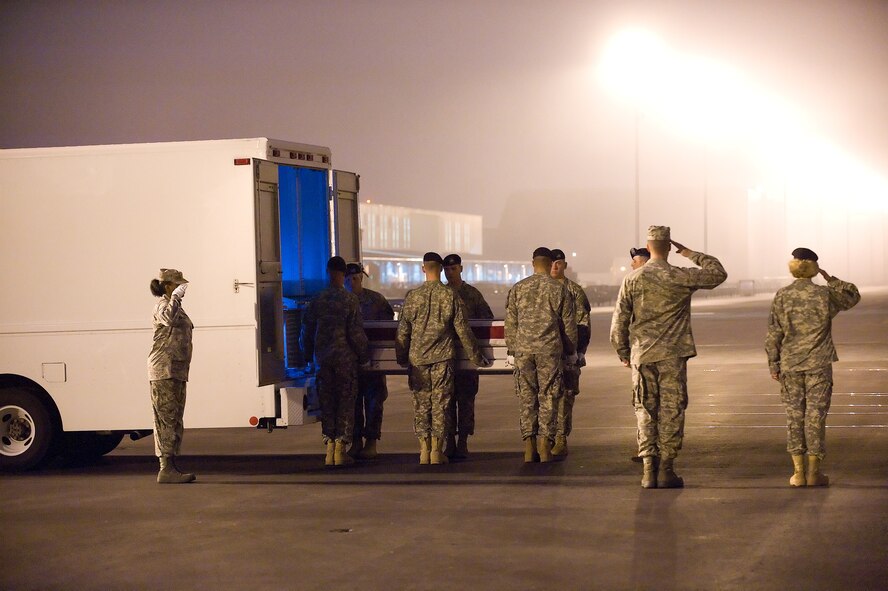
(431, 319)
(651, 328)
(540, 328)
(571, 374)
(168, 366)
(462, 405)
(800, 350)
(333, 335)
(372, 389)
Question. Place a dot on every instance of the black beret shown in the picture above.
(353, 269)
(336, 264)
(542, 251)
(452, 259)
(432, 257)
(558, 255)
(639, 252)
(805, 254)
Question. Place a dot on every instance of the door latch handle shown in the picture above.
(237, 285)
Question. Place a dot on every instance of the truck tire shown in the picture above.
(27, 431)
(89, 445)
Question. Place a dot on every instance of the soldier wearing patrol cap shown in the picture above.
(333, 336)
(431, 320)
(541, 335)
(372, 388)
(800, 356)
(571, 373)
(651, 332)
(462, 406)
(168, 367)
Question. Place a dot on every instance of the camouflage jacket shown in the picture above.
(581, 309)
(652, 318)
(476, 306)
(332, 328)
(374, 306)
(800, 325)
(540, 317)
(170, 356)
(431, 320)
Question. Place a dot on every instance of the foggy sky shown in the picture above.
(469, 106)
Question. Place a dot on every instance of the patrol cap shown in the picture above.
(542, 251)
(658, 233)
(432, 257)
(171, 276)
(805, 254)
(639, 252)
(452, 259)
(354, 269)
(558, 255)
(336, 263)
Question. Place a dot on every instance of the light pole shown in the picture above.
(637, 188)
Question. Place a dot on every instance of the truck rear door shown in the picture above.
(347, 232)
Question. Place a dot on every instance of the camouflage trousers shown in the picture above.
(432, 387)
(807, 396)
(538, 386)
(569, 391)
(337, 389)
(461, 410)
(660, 397)
(168, 402)
(372, 393)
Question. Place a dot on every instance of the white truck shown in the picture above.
(83, 230)
(250, 222)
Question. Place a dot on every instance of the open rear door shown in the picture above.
(269, 288)
(348, 237)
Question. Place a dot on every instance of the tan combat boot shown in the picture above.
(559, 450)
(666, 476)
(340, 455)
(649, 476)
(168, 473)
(437, 454)
(798, 475)
(544, 447)
(814, 476)
(331, 449)
(425, 450)
(530, 450)
(368, 452)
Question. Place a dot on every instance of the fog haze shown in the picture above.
(484, 107)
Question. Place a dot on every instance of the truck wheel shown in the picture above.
(89, 445)
(27, 431)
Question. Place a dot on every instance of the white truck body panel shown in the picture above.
(83, 231)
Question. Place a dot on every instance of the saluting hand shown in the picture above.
(825, 275)
(681, 248)
(179, 292)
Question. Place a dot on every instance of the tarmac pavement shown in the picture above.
(266, 514)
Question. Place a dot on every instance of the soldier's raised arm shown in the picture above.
(842, 295)
(711, 272)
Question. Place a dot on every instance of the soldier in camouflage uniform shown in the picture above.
(431, 319)
(168, 365)
(541, 334)
(639, 257)
(571, 373)
(651, 330)
(333, 336)
(462, 405)
(372, 389)
(800, 356)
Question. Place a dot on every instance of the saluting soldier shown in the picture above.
(431, 320)
(541, 334)
(571, 374)
(372, 389)
(462, 405)
(651, 332)
(800, 356)
(333, 336)
(639, 257)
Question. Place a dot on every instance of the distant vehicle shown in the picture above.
(250, 222)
